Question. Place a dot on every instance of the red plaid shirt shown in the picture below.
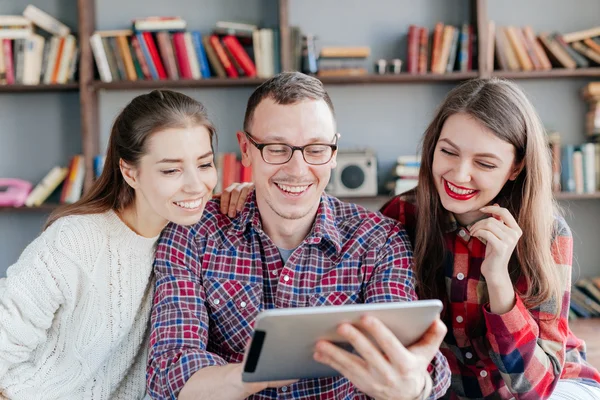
(513, 355)
(214, 277)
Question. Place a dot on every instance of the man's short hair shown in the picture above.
(287, 88)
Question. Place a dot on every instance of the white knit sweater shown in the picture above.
(74, 313)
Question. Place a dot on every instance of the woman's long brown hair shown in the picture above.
(503, 108)
(143, 116)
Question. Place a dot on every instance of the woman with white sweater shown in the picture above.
(75, 307)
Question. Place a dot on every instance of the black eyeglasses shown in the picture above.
(280, 153)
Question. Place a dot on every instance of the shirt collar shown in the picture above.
(452, 225)
(324, 227)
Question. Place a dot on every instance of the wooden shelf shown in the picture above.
(250, 82)
(62, 87)
(553, 73)
(44, 208)
(399, 78)
(180, 83)
(577, 196)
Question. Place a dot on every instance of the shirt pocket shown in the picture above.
(232, 306)
(334, 298)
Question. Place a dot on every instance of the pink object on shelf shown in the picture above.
(14, 192)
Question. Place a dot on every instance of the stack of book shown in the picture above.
(36, 48)
(343, 61)
(452, 49)
(585, 299)
(157, 48)
(406, 173)
(520, 49)
(575, 168)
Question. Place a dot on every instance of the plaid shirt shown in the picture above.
(513, 355)
(214, 277)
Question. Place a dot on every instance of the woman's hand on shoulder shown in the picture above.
(234, 197)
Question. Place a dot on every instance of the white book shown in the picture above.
(236, 25)
(65, 59)
(589, 167)
(46, 186)
(159, 24)
(52, 59)
(77, 184)
(260, 69)
(45, 21)
(192, 56)
(266, 48)
(14, 21)
(16, 33)
(101, 58)
(32, 59)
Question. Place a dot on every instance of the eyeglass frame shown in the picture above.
(261, 146)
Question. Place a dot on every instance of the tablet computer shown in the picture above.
(283, 342)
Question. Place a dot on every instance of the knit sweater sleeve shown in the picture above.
(30, 295)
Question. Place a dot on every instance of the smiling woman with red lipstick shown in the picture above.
(490, 242)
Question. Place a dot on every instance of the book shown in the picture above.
(45, 21)
(46, 186)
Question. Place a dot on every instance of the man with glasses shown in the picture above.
(291, 246)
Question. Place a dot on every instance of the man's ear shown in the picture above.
(129, 174)
(333, 162)
(244, 148)
(516, 171)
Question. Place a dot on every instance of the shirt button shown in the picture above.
(469, 355)
(243, 304)
(284, 388)
(274, 273)
(459, 319)
(483, 374)
(286, 278)
(216, 301)
(462, 233)
(460, 276)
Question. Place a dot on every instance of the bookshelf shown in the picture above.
(65, 87)
(364, 23)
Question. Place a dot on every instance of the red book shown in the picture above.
(243, 59)
(229, 169)
(183, 62)
(8, 61)
(246, 174)
(436, 46)
(413, 49)
(160, 69)
(220, 51)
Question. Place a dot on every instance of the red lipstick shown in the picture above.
(457, 196)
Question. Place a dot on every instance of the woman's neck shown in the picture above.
(145, 224)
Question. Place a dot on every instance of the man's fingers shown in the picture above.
(398, 355)
(367, 349)
(350, 365)
(429, 344)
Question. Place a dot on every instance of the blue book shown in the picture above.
(202, 59)
(567, 176)
(147, 56)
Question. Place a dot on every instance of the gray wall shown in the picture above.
(389, 118)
